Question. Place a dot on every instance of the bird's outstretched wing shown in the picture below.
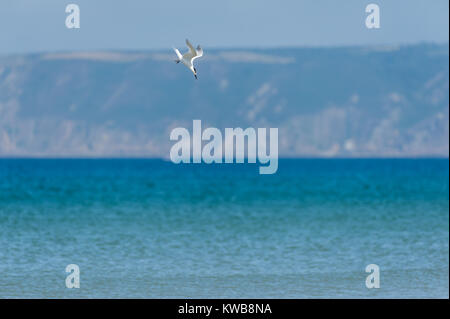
(199, 52)
(179, 56)
(191, 48)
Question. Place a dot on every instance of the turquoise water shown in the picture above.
(153, 229)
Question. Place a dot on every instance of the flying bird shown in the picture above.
(188, 58)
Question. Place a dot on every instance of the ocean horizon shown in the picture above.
(148, 228)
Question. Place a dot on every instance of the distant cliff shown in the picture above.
(353, 101)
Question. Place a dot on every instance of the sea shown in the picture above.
(149, 228)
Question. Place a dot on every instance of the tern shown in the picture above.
(188, 58)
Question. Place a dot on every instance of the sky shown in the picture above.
(28, 26)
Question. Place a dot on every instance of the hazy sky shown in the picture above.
(34, 26)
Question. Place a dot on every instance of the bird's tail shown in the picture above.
(179, 56)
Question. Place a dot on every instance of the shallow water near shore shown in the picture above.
(151, 229)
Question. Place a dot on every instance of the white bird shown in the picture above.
(188, 58)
